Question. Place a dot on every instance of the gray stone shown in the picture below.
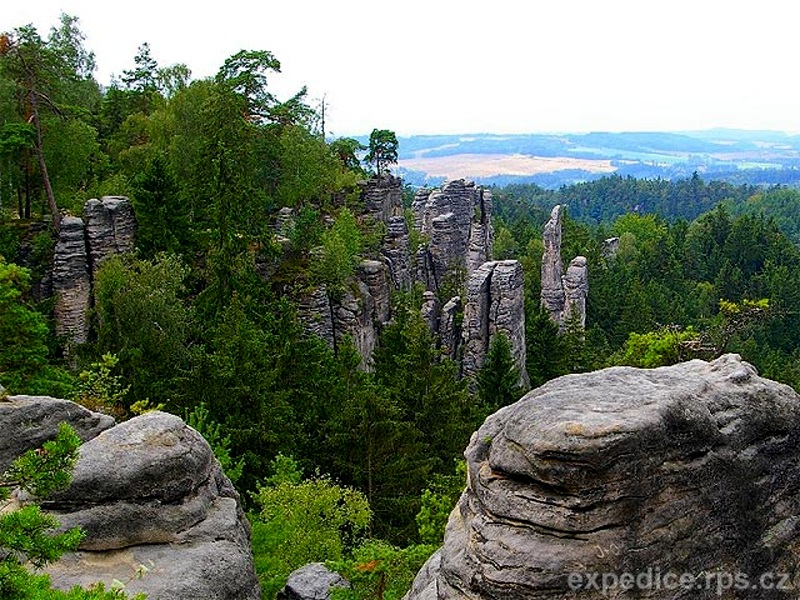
(315, 313)
(374, 274)
(151, 496)
(576, 290)
(313, 581)
(425, 586)
(495, 304)
(26, 422)
(110, 228)
(430, 311)
(552, 268)
(71, 282)
(449, 328)
(396, 251)
(691, 468)
(383, 197)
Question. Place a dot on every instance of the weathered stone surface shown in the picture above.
(26, 422)
(313, 581)
(507, 311)
(430, 311)
(315, 313)
(353, 318)
(383, 197)
(449, 328)
(456, 220)
(375, 276)
(110, 228)
(552, 269)
(691, 468)
(576, 290)
(495, 304)
(150, 492)
(475, 332)
(425, 586)
(71, 282)
(396, 251)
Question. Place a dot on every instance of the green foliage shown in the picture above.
(666, 346)
(200, 419)
(438, 501)
(99, 390)
(303, 521)
(382, 151)
(498, 379)
(380, 571)
(341, 248)
(142, 320)
(24, 353)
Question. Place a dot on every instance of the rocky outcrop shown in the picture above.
(563, 295)
(313, 581)
(576, 289)
(456, 220)
(450, 328)
(383, 197)
(495, 304)
(375, 277)
(149, 493)
(26, 422)
(110, 228)
(689, 469)
(552, 268)
(71, 282)
(396, 252)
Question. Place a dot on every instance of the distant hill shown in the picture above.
(553, 160)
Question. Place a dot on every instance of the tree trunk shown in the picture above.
(48, 188)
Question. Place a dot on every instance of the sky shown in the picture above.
(457, 67)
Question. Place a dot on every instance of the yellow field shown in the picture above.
(469, 166)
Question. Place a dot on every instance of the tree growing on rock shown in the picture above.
(382, 150)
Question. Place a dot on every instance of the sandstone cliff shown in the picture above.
(688, 469)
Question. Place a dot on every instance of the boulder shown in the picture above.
(26, 422)
(152, 498)
(313, 581)
(688, 473)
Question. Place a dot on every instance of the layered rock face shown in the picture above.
(686, 471)
(148, 492)
(71, 282)
(456, 220)
(495, 304)
(383, 197)
(110, 228)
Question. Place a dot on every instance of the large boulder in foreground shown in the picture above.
(150, 496)
(26, 422)
(677, 482)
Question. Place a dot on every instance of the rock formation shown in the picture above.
(26, 422)
(689, 469)
(576, 289)
(456, 220)
(71, 283)
(313, 581)
(147, 492)
(495, 304)
(110, 228)
(395, 250)
(563, 295)
(383, 197)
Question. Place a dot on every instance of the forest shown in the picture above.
(198, 322)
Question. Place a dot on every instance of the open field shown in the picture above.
(470, 166)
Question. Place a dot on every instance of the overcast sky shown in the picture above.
(495, 66)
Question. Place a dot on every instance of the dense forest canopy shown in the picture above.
(199, 316)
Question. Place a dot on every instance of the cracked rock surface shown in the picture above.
(691, 468)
